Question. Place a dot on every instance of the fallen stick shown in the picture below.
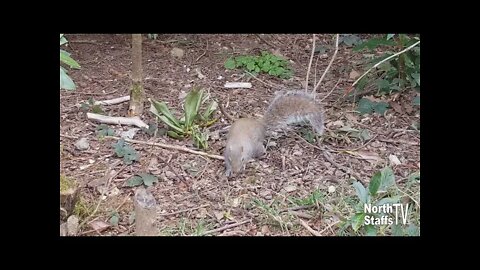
(328, 157)
(175, 147)
(300, 214)
(296, 208)
(312, 231)
(238, 85)
(129, 121)
(329, 226)
(226, 227)
(112, 101)
(182, 211)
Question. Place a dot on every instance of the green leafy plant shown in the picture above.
(91, 106)
(126, 151)
(152, 36)
(114, 219)
(379, 192)
(142, 178)
(349, 39)
(366, 106)
(312, 199)
(65, 81)
(266, 63)
(397, 74)
(192, 122)
(152, 127)
(104, 130)
(416, 101)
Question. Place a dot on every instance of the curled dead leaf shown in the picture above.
(394, 160)
(371, 157)
(218, 214)
(354, 74)
(99, 225)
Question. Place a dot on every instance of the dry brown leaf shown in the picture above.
(202, 213)
(152, 165)
(408, 107)
(290, 188)
(374, 99)
(265, 230)
(338, 123)
(394, 160)
(351, 117)
(218, 214)
(371, 157)
(354, 74)
(297, 153)
(99, 225)
(397, 107)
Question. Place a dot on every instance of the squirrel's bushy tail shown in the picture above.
(294, 107)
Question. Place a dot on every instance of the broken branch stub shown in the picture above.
(145, 213)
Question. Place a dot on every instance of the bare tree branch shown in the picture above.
(329, 65)
(384, 60)
(175, 147)
(310, 64)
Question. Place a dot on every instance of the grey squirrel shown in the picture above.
(246, 135)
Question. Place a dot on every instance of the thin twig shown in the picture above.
(222, 109)
(312, 145)
(198, 58)
(315, 70)
(171, 169)
(305, 225)
(83, 41)
(69, 136)
(87, 232)
(300, 214)
(328, 67)
(296, 208)
(99, 94)
(384, 60)
(268, 84)
(329, 226)
(174, 147)
(184, 210)
(266, 42)
(399, 141)
(410, 196)
(103, 193)
(331, 90)
(327, 156)
(310, 64)
(124, 201)
(227, 227)
(204, 169)
(356, 149)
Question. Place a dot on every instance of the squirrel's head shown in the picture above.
(236, 159)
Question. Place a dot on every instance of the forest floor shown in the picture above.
(294, 190)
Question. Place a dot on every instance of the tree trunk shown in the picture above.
(136, 94)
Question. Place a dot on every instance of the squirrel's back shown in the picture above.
(246, 136)
(294, 107)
